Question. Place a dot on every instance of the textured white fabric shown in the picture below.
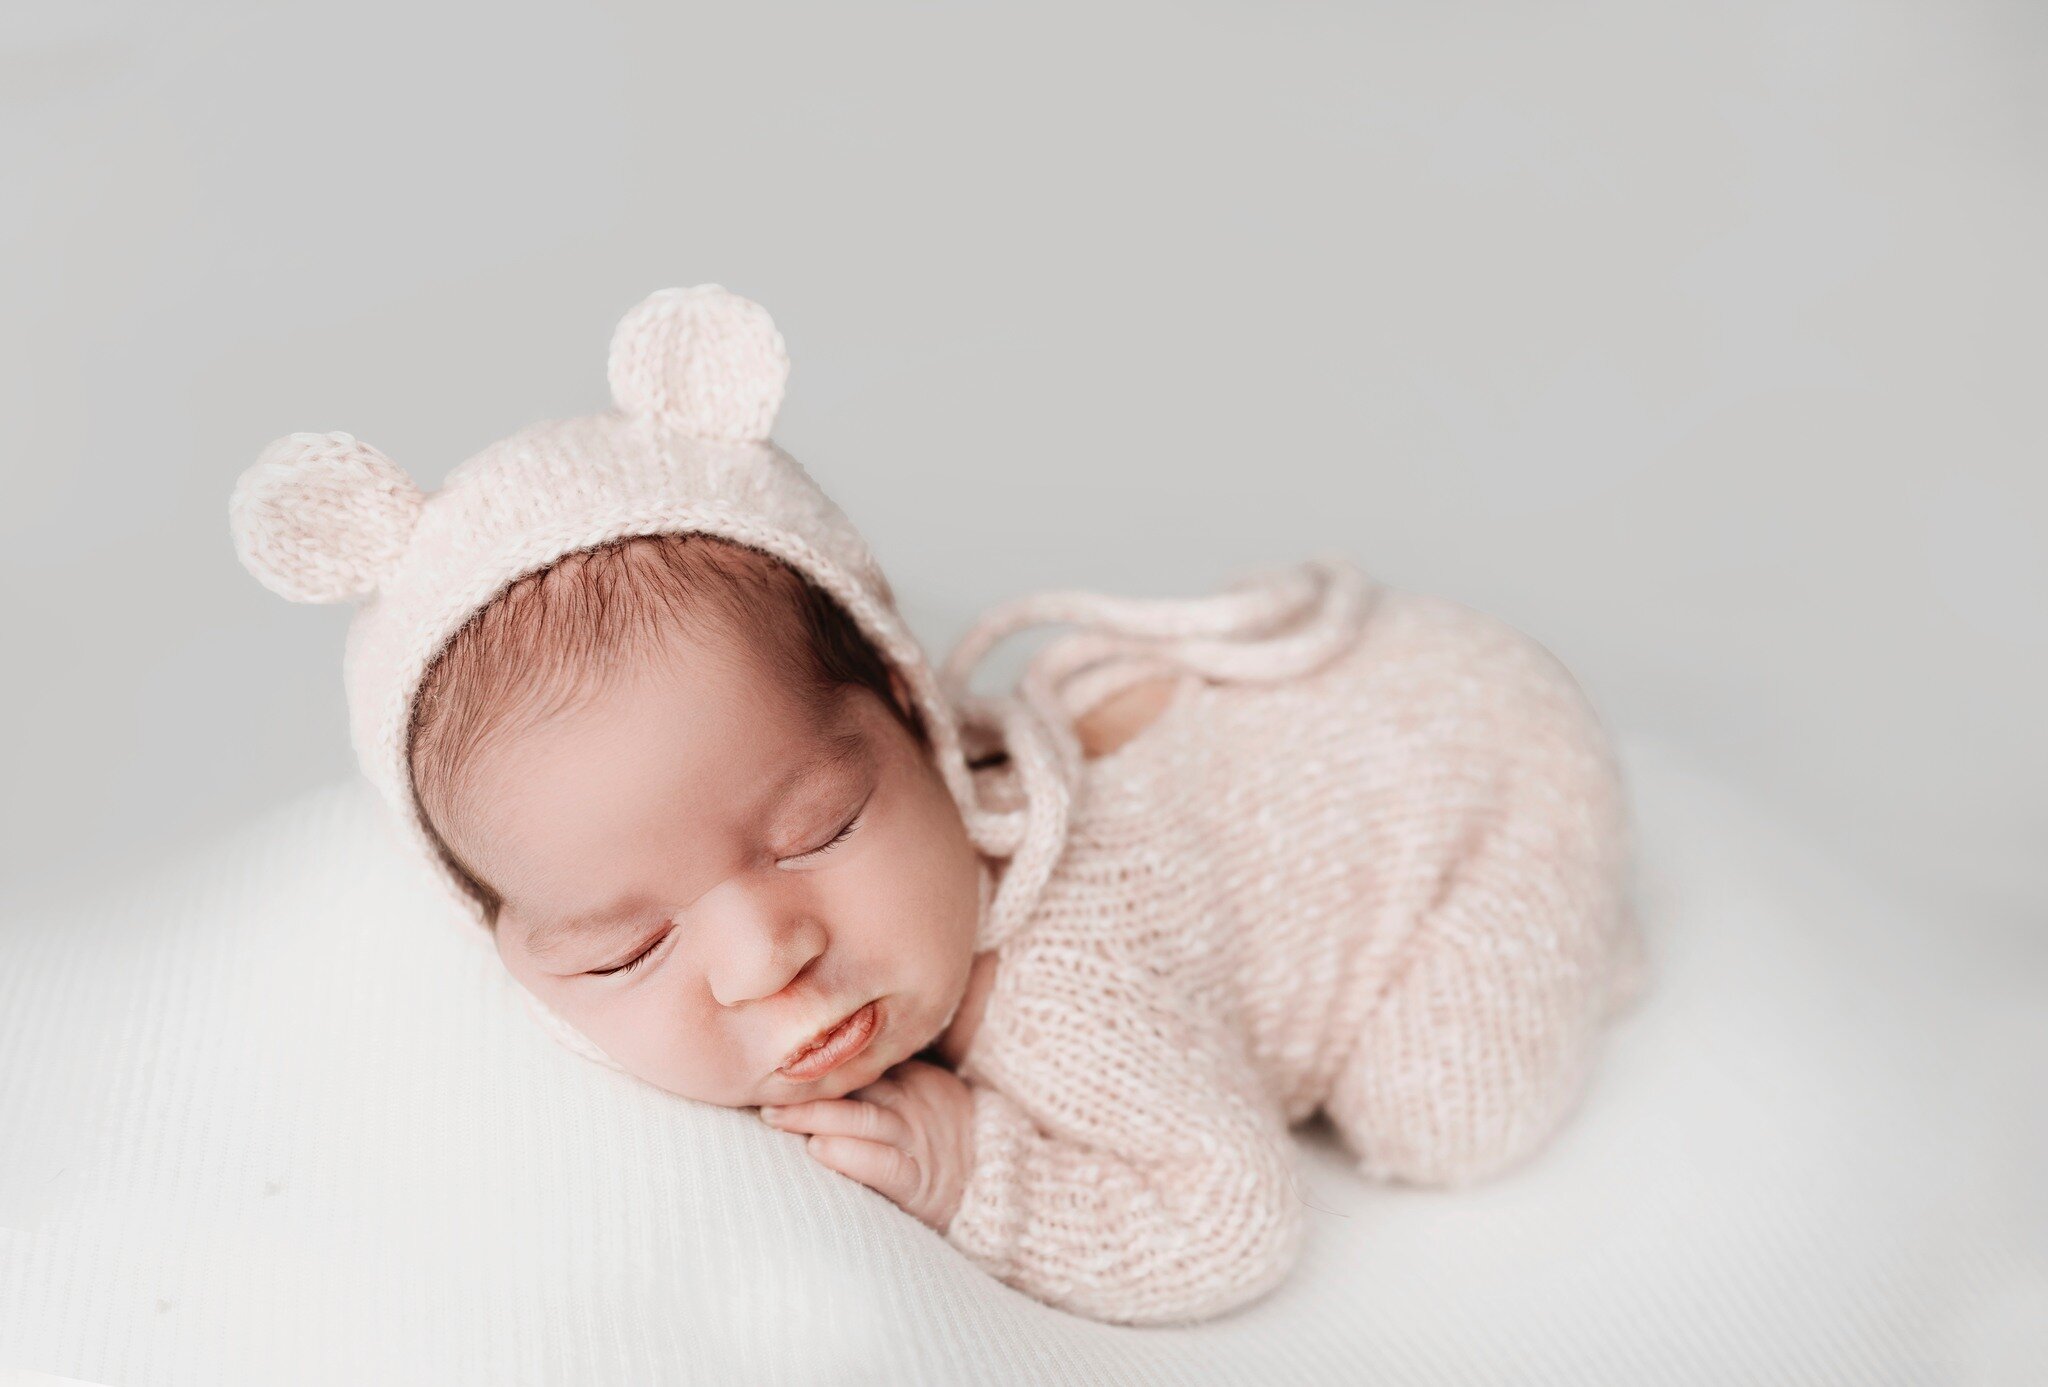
(262, 1123)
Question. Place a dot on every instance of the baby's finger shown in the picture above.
(888, 1170)
(839, 1117)
(885, 1093)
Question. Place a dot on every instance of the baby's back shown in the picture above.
(1301, 830)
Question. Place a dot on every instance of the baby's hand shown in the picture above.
(908, 1136)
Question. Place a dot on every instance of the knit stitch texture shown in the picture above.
(1371, 858)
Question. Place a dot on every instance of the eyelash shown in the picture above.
(841, 836)
(634, 962)
(637, 959)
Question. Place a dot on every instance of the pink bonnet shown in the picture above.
(696, 378)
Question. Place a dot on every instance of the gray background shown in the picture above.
(1706, 347)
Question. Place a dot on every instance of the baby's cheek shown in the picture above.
(931, 882)
(653, 1036)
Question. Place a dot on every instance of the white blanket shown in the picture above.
(265, 1119)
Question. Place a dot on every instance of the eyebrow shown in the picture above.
(844, 749)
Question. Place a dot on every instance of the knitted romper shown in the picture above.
(1371, 859)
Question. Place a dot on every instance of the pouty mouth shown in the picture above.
(837, 1044)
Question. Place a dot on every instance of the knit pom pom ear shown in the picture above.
(320, 517)
(703, 361)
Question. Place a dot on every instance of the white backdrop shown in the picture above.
(1704, 346)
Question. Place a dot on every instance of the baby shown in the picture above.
(1054, 970)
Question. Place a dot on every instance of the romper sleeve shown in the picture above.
(1127, 1166)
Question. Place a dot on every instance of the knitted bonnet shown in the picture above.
(696, 378)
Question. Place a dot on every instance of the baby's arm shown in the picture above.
(1138, 1175)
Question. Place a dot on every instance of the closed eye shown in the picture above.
(846, 831)
(634, 962)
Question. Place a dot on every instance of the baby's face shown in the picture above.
(697, 882)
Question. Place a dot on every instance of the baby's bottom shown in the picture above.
(1483, 1041)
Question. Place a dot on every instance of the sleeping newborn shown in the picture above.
(1388, 889)
(1054, 970)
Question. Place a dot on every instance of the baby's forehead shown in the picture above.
(701, 676)
(662, 748)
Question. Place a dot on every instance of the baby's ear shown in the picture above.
(320, 517)
(703, 361)
(900, 687)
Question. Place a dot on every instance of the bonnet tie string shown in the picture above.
(1269, 625)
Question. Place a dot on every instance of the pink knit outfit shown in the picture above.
(1371, 856)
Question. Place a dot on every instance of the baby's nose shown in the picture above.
(757, 942)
